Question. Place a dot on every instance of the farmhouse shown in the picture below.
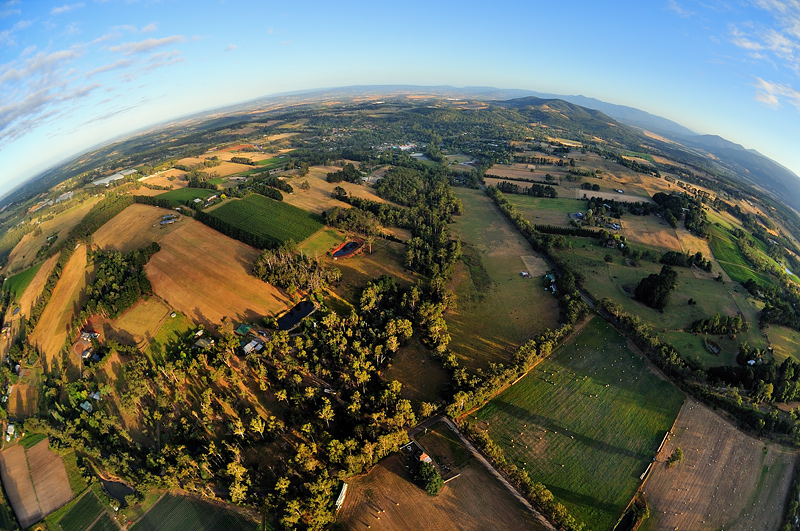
(204, 343)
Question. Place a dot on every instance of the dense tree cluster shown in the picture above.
(679, 259)
(348, 173)
(655, 290)
(286, 268)
(534, 190)
(119, 281)
(721, 324)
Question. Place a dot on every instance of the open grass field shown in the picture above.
(523, 171)
(545, 211)
(387, 258)
(785, 342)
(137, 325)
(652, 231)
(318, 197)
(227, 168)
(167, 178)
(496, 309)
(444, 447)
(618, 280)
(730, 258)
(422, 376)
(82, 514)
(179, 513)
(51, 331)
(632, 194)
(472, 502)
(181, 196)
(727, 480)
(134, 227)
(586, 422)
(322, 241)
(35, 480)
(34, 288)
(24, 253)
(267, 218)
(206, 276)
(17, 284)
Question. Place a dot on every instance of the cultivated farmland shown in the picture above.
(17, 284)
(586, 422)
(50, 333)
(206, 276)
(36, 481)
(318, 197)
(472, 502)
(496, 308)
(546, 211)
(134, 227)
(731, 259)
(184, 195)
(82, 514)
(727, 480)
(178, 513)
(268, 219)
(138, 324)
(34, 289)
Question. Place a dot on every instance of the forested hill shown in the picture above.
(559, 114)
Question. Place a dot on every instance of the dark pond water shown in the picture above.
(349, 248)
(301, 310)
(117, 490)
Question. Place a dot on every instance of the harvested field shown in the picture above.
(25, 252)
(24, 398)
(36, 483)
(206, 276)
(318, 197)
(49, 477)
(628, 196)
(496, 308)
(52, 330)
(652, 231)
(727, 480)
(523, 171)
(18, 485)
(137, 325)
(228, 168)
(168, 178)
(473, 501)
(135, 227)
(34, 289)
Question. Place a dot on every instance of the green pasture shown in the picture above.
(267, 218)
(546, 211)
(82, 513)
(495, 309)
(586, 422)
(180, 196)
(785, 343)
(16, 284)
(321, 242)
(179, 513)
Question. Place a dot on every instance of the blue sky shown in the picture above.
(76, 74)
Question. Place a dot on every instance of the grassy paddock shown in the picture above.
(586, 422)
(180, 196)
(546, 211)
(17, 284)
(178, 513)
(496, 309)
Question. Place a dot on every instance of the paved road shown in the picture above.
(485, 462)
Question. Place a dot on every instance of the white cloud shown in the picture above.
(672, 5)
(149, 28)
(230, 48)
(66, 8)
(122, 63)
(146, 45)
(774, 94)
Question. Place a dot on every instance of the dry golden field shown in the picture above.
(23, 255)
(206, 276)
(138, 325)
(51, 331)
(727, 480)
(135, 227)
(318, 197)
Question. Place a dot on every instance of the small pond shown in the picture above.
(348, 249)
(117, 490)
(300, 311)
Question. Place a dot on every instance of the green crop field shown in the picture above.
(105, 523)
(180, 196)
(586, 422)
(17, 284)
(267, 218)
(546, 211)
(82, 513)
(496, 308)
(271, 164)
(178, 513)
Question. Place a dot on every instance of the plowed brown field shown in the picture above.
(727, 480)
